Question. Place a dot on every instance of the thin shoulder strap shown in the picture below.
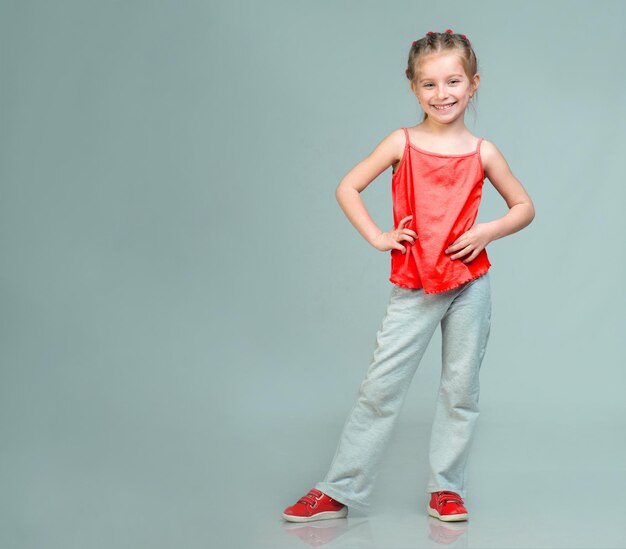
(480, 140)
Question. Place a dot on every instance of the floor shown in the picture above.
(519, 505)
(167, 486)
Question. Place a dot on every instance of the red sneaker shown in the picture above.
(315, 506)
(446, 505)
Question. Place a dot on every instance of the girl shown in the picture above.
(440, 274)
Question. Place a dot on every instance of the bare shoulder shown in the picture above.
(397, 140)
(388, 152)
(487, 151)
(493, 160)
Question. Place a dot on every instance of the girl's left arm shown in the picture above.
(521, 208)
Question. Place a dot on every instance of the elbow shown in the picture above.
(528, 208)
(340, 191)
(531, 215)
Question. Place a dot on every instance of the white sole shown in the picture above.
(319, 516)
(447, 518)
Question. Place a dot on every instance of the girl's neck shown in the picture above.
(456, 129)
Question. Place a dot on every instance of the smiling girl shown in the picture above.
(439, 275)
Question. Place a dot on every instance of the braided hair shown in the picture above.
(438, 42)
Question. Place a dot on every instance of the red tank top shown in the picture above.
(442, 192)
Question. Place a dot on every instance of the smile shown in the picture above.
(444, 107)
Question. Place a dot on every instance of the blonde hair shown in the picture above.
(440, 42)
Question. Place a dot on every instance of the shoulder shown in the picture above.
(394, 138)
(487, 148)
(490, 154)
(397, 137)
(392, 145)
(495, 166)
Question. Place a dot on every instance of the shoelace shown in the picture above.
(310, 498)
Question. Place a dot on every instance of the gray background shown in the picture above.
(186, 313)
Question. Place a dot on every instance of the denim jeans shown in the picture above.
(411, 320)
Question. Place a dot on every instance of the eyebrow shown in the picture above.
(422, 79)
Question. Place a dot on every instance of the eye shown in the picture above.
(454, 80)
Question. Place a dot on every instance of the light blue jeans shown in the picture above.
(411, 320)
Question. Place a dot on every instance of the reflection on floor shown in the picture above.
(360, 532)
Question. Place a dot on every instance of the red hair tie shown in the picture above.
(448, 31)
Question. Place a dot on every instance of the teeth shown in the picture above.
(444, 107)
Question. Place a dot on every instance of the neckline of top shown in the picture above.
(409, 144)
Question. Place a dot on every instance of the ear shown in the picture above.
(475, 82)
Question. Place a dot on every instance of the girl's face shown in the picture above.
(442, 87)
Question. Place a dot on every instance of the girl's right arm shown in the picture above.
(386, 153)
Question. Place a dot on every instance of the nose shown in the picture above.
(442, 92)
